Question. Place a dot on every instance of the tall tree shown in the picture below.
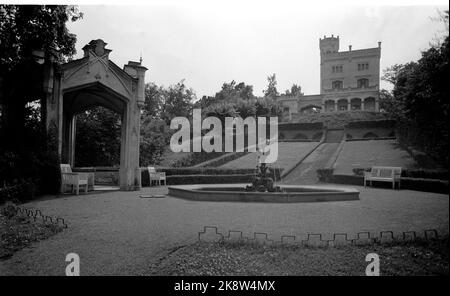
(271, 90)
(296, 90)
(177, 101)
(419, 99)
(27, 34)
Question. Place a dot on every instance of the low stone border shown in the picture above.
(211, 234)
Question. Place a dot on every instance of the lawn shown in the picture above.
(227, 258)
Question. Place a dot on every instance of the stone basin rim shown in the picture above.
(200, 192)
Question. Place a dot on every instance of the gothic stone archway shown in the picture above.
(91, 81)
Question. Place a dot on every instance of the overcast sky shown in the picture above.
(208, 45)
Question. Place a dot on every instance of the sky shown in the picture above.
(207, 44)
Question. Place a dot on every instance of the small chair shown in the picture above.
(156, 176)
(75, 180)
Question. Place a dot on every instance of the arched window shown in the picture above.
(337, 84)
(363, 83)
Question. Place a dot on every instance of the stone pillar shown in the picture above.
(130, 176)
(72, 136)
(377, 107)
(349, 105)
(362, 105)
(53, 105)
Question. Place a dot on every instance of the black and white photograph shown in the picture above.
(224, 145)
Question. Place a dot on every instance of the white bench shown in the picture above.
(383, 174)
(75, 180)
(156, 176)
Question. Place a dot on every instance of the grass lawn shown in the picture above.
(226, 258)
(18, 232)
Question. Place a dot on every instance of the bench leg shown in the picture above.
(393, 184)
(77, 191)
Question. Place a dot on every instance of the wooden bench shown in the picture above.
(383, 174)
(75, 180)
(156, 176)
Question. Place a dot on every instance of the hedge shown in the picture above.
(437, 174)
(204, 179)
(300, 126)
(371, 124)
(419, 184)
(218, 161)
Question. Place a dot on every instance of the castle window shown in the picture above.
(363, 66)
(363, 83)
(337, 84)
(337, 69)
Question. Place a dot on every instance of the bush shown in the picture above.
(325, 175)
(39, 167)
(21, 191)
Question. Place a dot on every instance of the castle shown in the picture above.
(349, 81)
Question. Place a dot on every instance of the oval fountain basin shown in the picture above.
(237, 193)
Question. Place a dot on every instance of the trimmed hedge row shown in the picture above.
(171, 171)
(371, 124)
(419, 184)
(218, 161)
(437, 174)
(204, 179)
(301, 126)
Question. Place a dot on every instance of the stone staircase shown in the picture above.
(334, 135)
(305, 172)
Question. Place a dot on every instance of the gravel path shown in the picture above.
(118, 233)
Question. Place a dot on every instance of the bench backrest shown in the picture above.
(65, 168)
(386, 172)
(152, 171)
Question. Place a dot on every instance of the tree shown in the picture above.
(296, 90)
(98, 138)
(177, 100)
(419, 100)
(271, 91)
(27, 33)
(30, 36)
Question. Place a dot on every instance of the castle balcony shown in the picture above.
(351, 89)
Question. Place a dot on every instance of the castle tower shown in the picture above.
(329, 45)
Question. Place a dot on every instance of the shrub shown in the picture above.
(325, 175)
(9, 210)
(20, 191)
(360, 171)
